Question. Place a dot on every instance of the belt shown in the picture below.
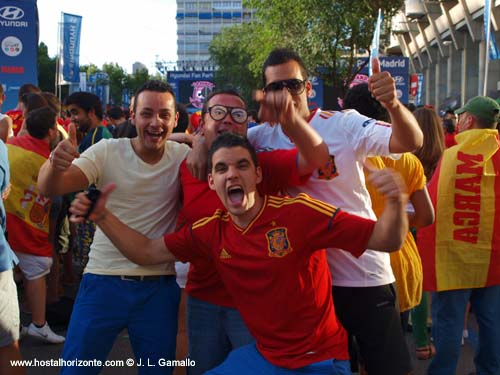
(142, 278)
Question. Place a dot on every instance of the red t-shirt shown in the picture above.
(279, 170)
(276, 274)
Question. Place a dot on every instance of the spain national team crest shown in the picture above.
(329, 170)
(278, 243)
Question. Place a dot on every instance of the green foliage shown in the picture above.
(229, 50)
(327, 34)
(117, 79)
(134, 81)
(46, 69)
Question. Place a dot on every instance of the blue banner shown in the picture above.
(418, 99)
(70, 57)
(375, 41)
(493, 52)
(315, 99)
(191, 88)
(19, 44)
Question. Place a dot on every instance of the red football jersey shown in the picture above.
(277, 277)
(279, 170)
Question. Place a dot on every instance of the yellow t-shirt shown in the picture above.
(406, 263)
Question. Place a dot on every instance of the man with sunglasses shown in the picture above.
(215, 326)
(364, 296)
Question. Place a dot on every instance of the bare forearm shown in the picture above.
(134, 245)
(391, 228)
(406, 133)
(313, 152)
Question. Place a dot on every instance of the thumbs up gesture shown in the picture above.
(66, 151)
(382, 86)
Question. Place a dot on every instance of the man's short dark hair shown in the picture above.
(116, 113)
(26, 89)
(183, 121)
(280, 56)
(154, 85)
(39, 121)
(86, 101)
(360, 98)
(221, 92)
(230, 140)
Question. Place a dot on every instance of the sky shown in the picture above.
(121, 32)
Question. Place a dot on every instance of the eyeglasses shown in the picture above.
(219, 112)
(294, 86)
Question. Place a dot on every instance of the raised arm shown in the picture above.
(392, 226)
(134, 245)
(58, 175)
(406, 134)
(277, 107)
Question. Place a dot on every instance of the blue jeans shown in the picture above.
(213, 331)
(448, 312)
(248, 361)
(106, 305)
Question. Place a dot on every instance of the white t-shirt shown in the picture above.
(351, 138)
(147, 199)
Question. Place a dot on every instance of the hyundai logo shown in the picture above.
(399, 80)
(11, 13)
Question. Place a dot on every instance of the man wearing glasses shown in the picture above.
(214, 325)
(364, 296)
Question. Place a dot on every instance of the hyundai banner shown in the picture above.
(70, 56)
(19, 43)
(191, 88)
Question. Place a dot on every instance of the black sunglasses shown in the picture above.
(294, 86)
(219, 112)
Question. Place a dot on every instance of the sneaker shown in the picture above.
(45, 334)
(465, 335)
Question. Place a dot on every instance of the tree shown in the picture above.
(231, 53)
(117, 79)
(46, 69)
(327, 34)
(136, 80)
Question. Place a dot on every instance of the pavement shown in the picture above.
(31, 349)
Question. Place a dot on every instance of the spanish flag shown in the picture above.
(461, 250)
(27, 210)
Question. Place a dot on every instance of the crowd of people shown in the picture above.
(311, 239)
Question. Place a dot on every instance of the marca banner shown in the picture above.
(461, 250)
(19, 44)
(70, 55)
(399, 67)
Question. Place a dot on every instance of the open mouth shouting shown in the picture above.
(235, 195)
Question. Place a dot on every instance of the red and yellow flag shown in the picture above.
(27, 210)
(461, 249)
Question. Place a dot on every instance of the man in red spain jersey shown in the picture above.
(265, 249)
(215, 326)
